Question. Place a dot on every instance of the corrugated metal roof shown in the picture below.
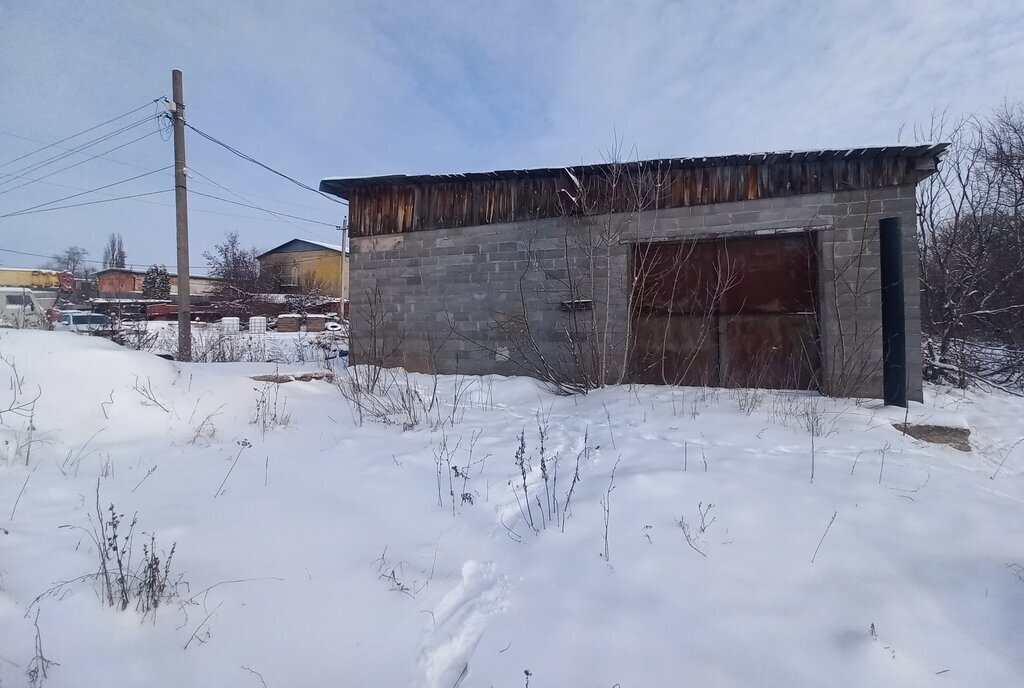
(343, 186)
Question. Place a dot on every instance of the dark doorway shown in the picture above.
(727, 312)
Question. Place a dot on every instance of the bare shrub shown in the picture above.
(802, 411)
(446, 468)
(694, 536)
(39, 665)
(540, 510)
(149, 397)
(590, 346)
(17, 417)
(689, 535)
(748, 399)
(606, 509)
(214, 346)
(385, 395)
(125, 575)
(205, 429)
(137, 335)
(271, 408)
(243, 444)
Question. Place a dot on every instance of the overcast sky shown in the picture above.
(331, 88)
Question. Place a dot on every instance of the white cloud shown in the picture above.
(321, 87)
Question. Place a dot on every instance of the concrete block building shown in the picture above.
(747, 270)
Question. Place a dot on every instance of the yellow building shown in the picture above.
(303, 265)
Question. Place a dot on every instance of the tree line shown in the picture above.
(971, 241)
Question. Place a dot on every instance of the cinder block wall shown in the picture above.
(452, 300)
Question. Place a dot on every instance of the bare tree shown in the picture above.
(114, 255)
(971, 219)
(237, 266)
(581, 274)
(623, 310)
(71, 259)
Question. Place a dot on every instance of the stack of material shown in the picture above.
(229, 325)
(257, 325)
(315, 323)
(290, 322)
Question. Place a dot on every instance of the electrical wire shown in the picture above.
(249, 204)
(69, 152)
(256, 207)
(79, 205)
(128, 266)
(40, 255)
(164, 128)
(33, 180)
(192, 209)
(113, 160)
(164, 123)
(102, 156)
(84, 131)
(253, 160)
(25, 211)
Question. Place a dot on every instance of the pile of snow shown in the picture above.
(321, 551)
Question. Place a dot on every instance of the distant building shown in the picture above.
(125, 283)
(303, 265)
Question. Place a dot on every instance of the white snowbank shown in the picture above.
(326, 559)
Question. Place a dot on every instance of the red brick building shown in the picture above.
(123, 283)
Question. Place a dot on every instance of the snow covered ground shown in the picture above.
(212, 344)
(321, 551)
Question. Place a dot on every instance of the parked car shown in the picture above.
(19, 307)
(82, 322)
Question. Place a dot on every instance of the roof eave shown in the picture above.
(343, 187)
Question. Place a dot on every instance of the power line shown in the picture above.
(128, 266)
(272, 212)
(71, 151)
(79, 205)
(160, 117)
(238, 195)
(250, 204)
(98, 188)
(40, 255)
(33, 180)
(84, 131)
(103, 156)
(257, 218)
(253, 160)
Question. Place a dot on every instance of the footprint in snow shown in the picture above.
(458, 623)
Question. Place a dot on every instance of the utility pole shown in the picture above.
(181, 214)
(344, 267)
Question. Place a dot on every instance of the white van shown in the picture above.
(82, 322)
(19, 307)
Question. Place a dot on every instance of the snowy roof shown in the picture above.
(169, 274)
(318, 244)
(36, 271)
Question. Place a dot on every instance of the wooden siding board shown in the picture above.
(466, 201)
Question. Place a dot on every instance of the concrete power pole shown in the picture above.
(181, 213)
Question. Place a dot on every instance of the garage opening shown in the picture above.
(727, 312)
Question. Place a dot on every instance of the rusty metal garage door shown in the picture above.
(727, 312)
